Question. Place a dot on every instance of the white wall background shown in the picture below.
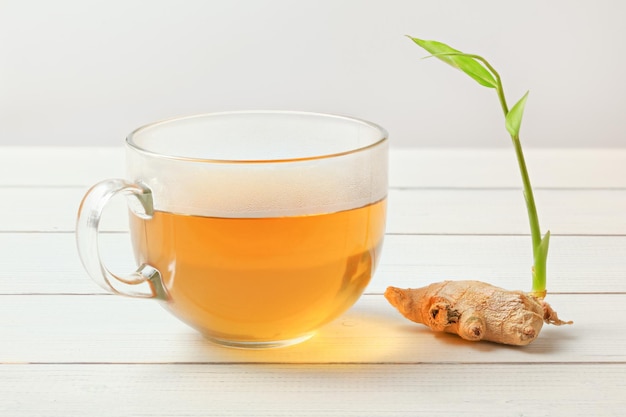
(88, 72)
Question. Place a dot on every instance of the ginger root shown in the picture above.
(475, 311)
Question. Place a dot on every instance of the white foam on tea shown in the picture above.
(212, 185)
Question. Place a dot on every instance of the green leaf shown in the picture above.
(458, 60)
(514, 116)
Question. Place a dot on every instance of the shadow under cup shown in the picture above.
(264, 225)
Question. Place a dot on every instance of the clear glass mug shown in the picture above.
(255, 228)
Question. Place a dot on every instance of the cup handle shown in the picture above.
(146, 281)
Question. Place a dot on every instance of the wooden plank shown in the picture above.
(530, 390)
(381, 363)
(421, 211)
(409, 167)
(52, 209)
(576, 263)
(454, 213)
(464, 211)
(473, 168)
(48, 263)
(112, 329)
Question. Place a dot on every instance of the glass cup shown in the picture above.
(255, 228)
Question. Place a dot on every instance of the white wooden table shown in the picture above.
(69, 349)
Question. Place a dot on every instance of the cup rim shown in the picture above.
(384, 136)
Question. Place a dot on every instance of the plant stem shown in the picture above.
(539, 257)
(528, 195)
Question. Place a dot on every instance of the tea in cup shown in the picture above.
(255, 228)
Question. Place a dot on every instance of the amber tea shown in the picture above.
(255, 228)
(262, 279)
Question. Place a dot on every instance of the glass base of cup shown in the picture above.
(257, 345)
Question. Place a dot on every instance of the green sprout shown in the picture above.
(482, 72)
